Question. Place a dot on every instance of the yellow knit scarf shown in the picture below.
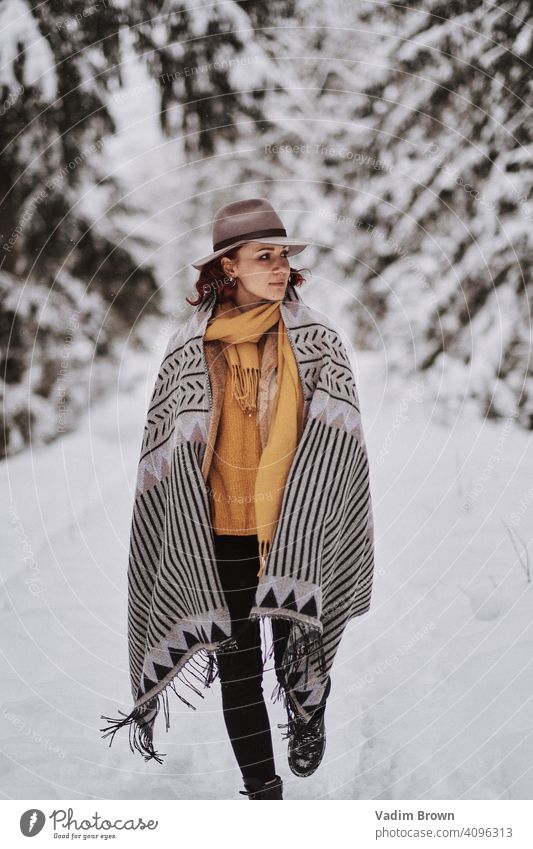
(240, 331)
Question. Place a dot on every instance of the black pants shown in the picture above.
(241, 671)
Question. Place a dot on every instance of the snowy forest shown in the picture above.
(410, 171)
(397, 138)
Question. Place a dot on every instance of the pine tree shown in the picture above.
(214, 65)
(59, 268)
(57, 62)
(438, 193)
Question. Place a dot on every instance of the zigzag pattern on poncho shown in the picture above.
(319, 570)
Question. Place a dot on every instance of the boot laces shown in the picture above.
(303, 735)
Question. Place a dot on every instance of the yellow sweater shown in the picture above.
(233, 470)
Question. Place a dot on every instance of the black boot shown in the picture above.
(307, 741)
(257, 788)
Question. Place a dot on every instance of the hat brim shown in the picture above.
(295, 245)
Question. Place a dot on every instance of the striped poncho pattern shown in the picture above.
(319, 570)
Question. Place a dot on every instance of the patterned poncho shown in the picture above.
(319, 570)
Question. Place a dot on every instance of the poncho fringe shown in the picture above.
(204, 669)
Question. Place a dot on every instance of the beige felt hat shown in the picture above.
(251, 220)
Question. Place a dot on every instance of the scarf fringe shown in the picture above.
(264, 548)
(245, 386)
(140, 721)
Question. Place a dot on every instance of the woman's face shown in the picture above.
(262, 272)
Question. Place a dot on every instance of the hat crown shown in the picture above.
(249, 220)
(244, 218)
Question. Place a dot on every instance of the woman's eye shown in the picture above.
(284, 255)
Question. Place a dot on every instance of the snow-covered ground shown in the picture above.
(431, 692)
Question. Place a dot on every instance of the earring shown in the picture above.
(233, 281)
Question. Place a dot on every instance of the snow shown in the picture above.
(18, 27)
(523, 42)
(431, 692)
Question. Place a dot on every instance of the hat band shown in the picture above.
(253, 234)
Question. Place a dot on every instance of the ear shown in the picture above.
(227, 266)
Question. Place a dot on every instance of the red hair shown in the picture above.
(212, 275)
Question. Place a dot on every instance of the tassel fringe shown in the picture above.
(304, 644)
(308, 644)
(245, 385)
(140, 721)
(294, 719)
(264, 548)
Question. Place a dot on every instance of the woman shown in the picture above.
(252, 502)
